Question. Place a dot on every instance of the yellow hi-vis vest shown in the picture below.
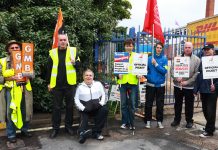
(70, 70)
(129, 78)
(1, 63)
(16, 94)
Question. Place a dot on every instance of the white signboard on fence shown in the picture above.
(115, 93)
(210, 67)
(181, 67)
(142, 90)
(140, 64)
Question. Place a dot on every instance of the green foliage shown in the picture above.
(34, 21)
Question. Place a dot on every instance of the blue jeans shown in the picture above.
(10, 127)
(128, 103)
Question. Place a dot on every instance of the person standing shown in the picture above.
(90, 100)
(16, 98)
(183, 88)
(128, 86)
(61, 75)
(155, 86)
(208, 95)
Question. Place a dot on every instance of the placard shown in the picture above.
(27, 59)
(16, 56)
(142, 90)
(181, 67)
(140, 64)
(210, 67)
(115, 93)
(121, 62)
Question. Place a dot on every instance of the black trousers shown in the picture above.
(154, 93)
(209, 101)
(180, 94)
(100, 117)
(58, 96)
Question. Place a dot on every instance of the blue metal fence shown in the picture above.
(174, 45)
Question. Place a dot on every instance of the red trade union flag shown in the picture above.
(152, 17)
(58, 29)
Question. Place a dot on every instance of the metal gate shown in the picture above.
(174, 45)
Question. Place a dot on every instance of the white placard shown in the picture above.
(181, 67)
(210, 67)
(140, 64)
(115, 93)
(142, 90)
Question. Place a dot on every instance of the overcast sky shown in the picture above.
(182, 11)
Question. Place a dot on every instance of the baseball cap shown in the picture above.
(208, 46)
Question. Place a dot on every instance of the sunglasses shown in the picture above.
(16, 47)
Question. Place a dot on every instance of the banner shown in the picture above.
(121, 62)
(181, 67)
(140, 64)
(27, 59)
(152, 18)
(59, 28)
(210, 67)
(16, 56)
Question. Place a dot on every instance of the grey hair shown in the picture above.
(88, 70)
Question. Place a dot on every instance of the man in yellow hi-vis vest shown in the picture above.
(128, 86)
(61, 75)
(18, 99)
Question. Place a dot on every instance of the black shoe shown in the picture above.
(189, 125)
(175, 123)
(53, 134)
(70, 131)
(12, 140)
(83, 136)
(26, 134)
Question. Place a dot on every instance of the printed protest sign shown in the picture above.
(210, 67)
(181, 67)
(142, 90)
(140, 64)
(27, 59)
(115, 93)
(121, 62)
(16, 56)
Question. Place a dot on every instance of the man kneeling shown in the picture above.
(90, 100)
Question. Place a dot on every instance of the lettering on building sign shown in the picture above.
(207, 27)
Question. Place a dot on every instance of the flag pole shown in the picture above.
(152, 40)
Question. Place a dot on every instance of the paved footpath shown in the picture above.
(168, 138)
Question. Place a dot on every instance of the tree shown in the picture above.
(34, 21)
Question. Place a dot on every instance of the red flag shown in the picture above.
(152, 17)
(58, 29)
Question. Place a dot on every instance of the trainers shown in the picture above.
(132, 128)
(202, 129)
(189, 125)
(159, 125)
(175, 123)
(123, 126)
(206, 134)
(99, 137)
(148, 125)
